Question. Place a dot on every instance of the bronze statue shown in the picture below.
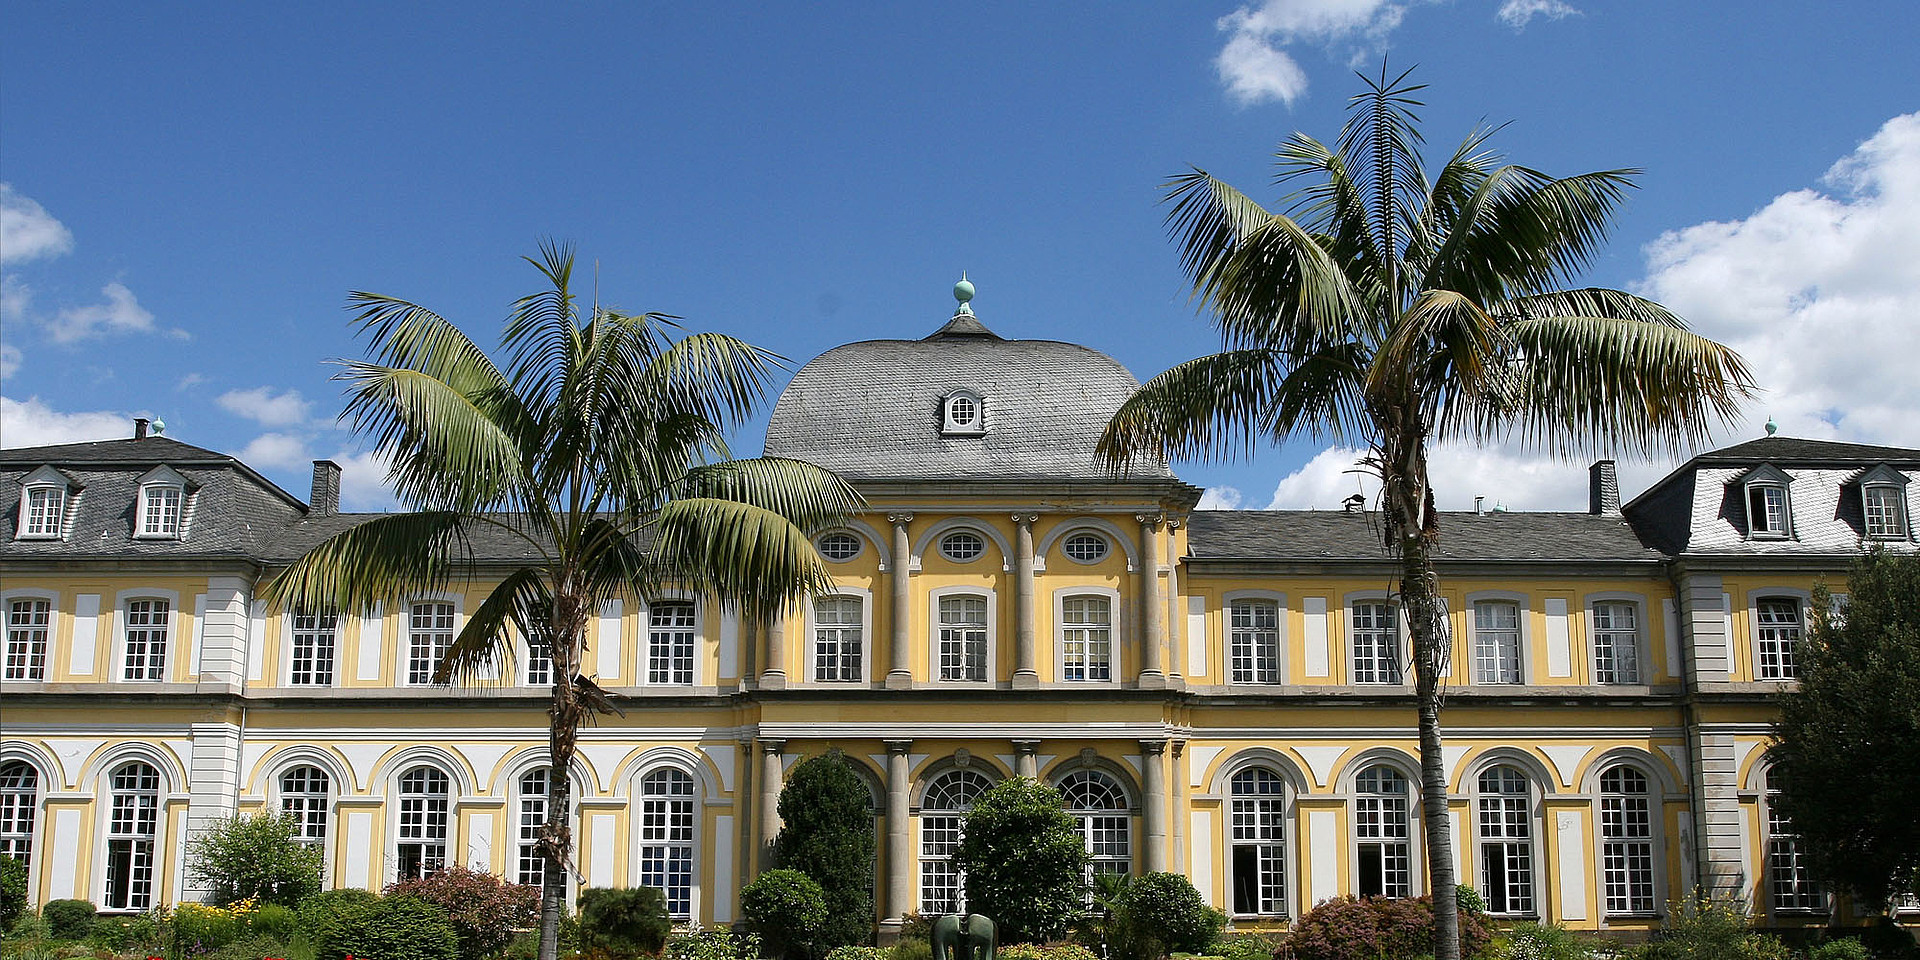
(967, 936)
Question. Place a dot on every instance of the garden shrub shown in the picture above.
(624, 922)
(275, 921)
(202, 928)
(715, 943)
(1164, 909)
(786, 908)
(484, 909)
(1045, 951)
(1887, 940)
(912, 950)
(252, 947)
(316, 914)
(13, 891)
(389, 928)
(1700, 929)
(1351, 928)
(1535, 941)
(1250, 946)
(1842, 949)
(129, 933)
(1469, 899)
(1024, 860)
(68, 919)
(258, 857)
(884, 953)
(827, 833)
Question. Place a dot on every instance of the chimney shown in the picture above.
(140, 428)
(1480, 505)
(326, 487)
(1354, 504)
(1603, 489)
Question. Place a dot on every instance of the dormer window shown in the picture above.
(1769, 507)
(963, 413)
(1883, 502)
(162, 505)
(44, 496)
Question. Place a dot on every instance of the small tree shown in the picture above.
(1848, 759)
(484, 909)
(624, 922)
(785, 908)
(827, 833)
(258, 857)
(1024, 860)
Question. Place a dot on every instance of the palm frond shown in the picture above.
(542, 335)
(808, 496)
(486, 641)
(737, 551)
(1587, 302)
(1525, 232)
(389, 556)
(446, 451)
(1225, 404)
(1333, 205)
(1446, 340)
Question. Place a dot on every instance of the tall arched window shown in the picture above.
(134, 819)
(530, 866)
(1505, 809)
(1259, 855)
(303, 796)
(1626, 840)
(19, 800)
(666, 837)
(942, 812)
(422, 844)
(1383, 826)
(1099, 806)
(1790, 887)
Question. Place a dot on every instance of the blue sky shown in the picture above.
(192, 190)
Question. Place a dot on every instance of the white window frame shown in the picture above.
(529, 815)
(951, 425)
(1522, 636)
(1766, 488)
(865, 599)
(1757, 645)
(1102, 859)
(934, 597)
(1411, 842)
(46, 644)
(523, 668)
(1643, 637)
(1351, 633)
(155, 817)
(929, 819)
(1115, 634)
(280, 798)
(1106, 546)
(647, 804)
(1229, 647)
(20, 813)
(1530, 845)
(42, 483)
(1894, 524)
(450, 826)
(1652, 840)
(123, 601)
(859, 544)
(403, 657)
(289, 633)
(1805, 896)
(1283, 872)
(160, 481)
(698, 647)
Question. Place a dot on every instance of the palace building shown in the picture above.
(1219, 693)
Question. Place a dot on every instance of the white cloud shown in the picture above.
(1515, 479)
(1518, 13)
(363, 482)
(27, 230)
(10, 360)
(275, 451)
(1253, 64)
(16, 298)
(1221, 498)
(119, 313)
(265, 407)
(189, 381)
(31, 423)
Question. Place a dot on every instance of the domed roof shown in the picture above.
(874, 410)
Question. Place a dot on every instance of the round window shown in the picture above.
(1085, 547)
(962, 546)
(839, 546)
(961, 411)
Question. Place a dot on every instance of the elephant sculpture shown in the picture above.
(967, 936)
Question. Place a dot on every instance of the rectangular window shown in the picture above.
(1616, 643)
(1790, 884)
(1626, 853)
(313, 644)
(1506, 855)
(533, 816)
(1886, 511)
(46, 511)
(941, 881)
(146, 645)
(429, 634)
(836, 639)
(160, 511)
(539, 663)
(1376, 643)
(670, 643)
(1496, 642)
(1254, 641)
(1086, 638)
(1767, 510)
(963, 638)
(27, 625)
(1779, 632)
(1259, 856)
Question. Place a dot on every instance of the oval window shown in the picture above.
(961, 411)
(1085, 547)
(839, 546)
(962, 546)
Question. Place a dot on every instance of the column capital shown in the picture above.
(1025, 519)
(1153, 748)
(898, 746)
(1150, 520)
(902, 517)
(1025, 746)
(772, 746)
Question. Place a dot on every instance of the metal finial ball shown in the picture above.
(1772, 427)
(963, 291)
(159, 426)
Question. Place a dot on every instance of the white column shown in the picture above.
(1154, 785)
(1025, 676)
(1153, 639)
(899, 668)
(899, 847)
(772, 772)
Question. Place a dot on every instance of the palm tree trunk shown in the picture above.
(563, 727)
(1412, 526)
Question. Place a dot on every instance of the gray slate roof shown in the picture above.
(1319, 535)
(871, 410)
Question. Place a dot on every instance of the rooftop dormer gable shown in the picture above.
(1764, 473)
(160, 511)
(1878, 473)
(46, 504)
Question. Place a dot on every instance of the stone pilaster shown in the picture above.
(900, 659)
(1153, 630)
(1025, 676)
(1154, 785)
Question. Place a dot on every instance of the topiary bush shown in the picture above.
(13, 891)
(625, 922)
(1024, 860)
(785, 908)
(1247, 946)
(68, 919)
(484, 909)
(827, 833)
(1351, 928)
(388, 928)
(1165, 909)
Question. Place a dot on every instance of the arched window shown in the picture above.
(942, 812)
(1626, 840)
(1382, 823)
(1086, 638)
(530, 866)
(670, 626)
(1254, 641)
(1505, 809)
(1375, 636)
(19, 800)
(666, 837)
(1790, 887)
(1099, 806)
(303, 796)
(1259, 812)
(134, 818)
(422, 844)
(28, 621)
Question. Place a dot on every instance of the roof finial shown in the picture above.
(963, 292)
(1772, 427)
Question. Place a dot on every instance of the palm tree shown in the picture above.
(1394, 311)
(600, 451)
